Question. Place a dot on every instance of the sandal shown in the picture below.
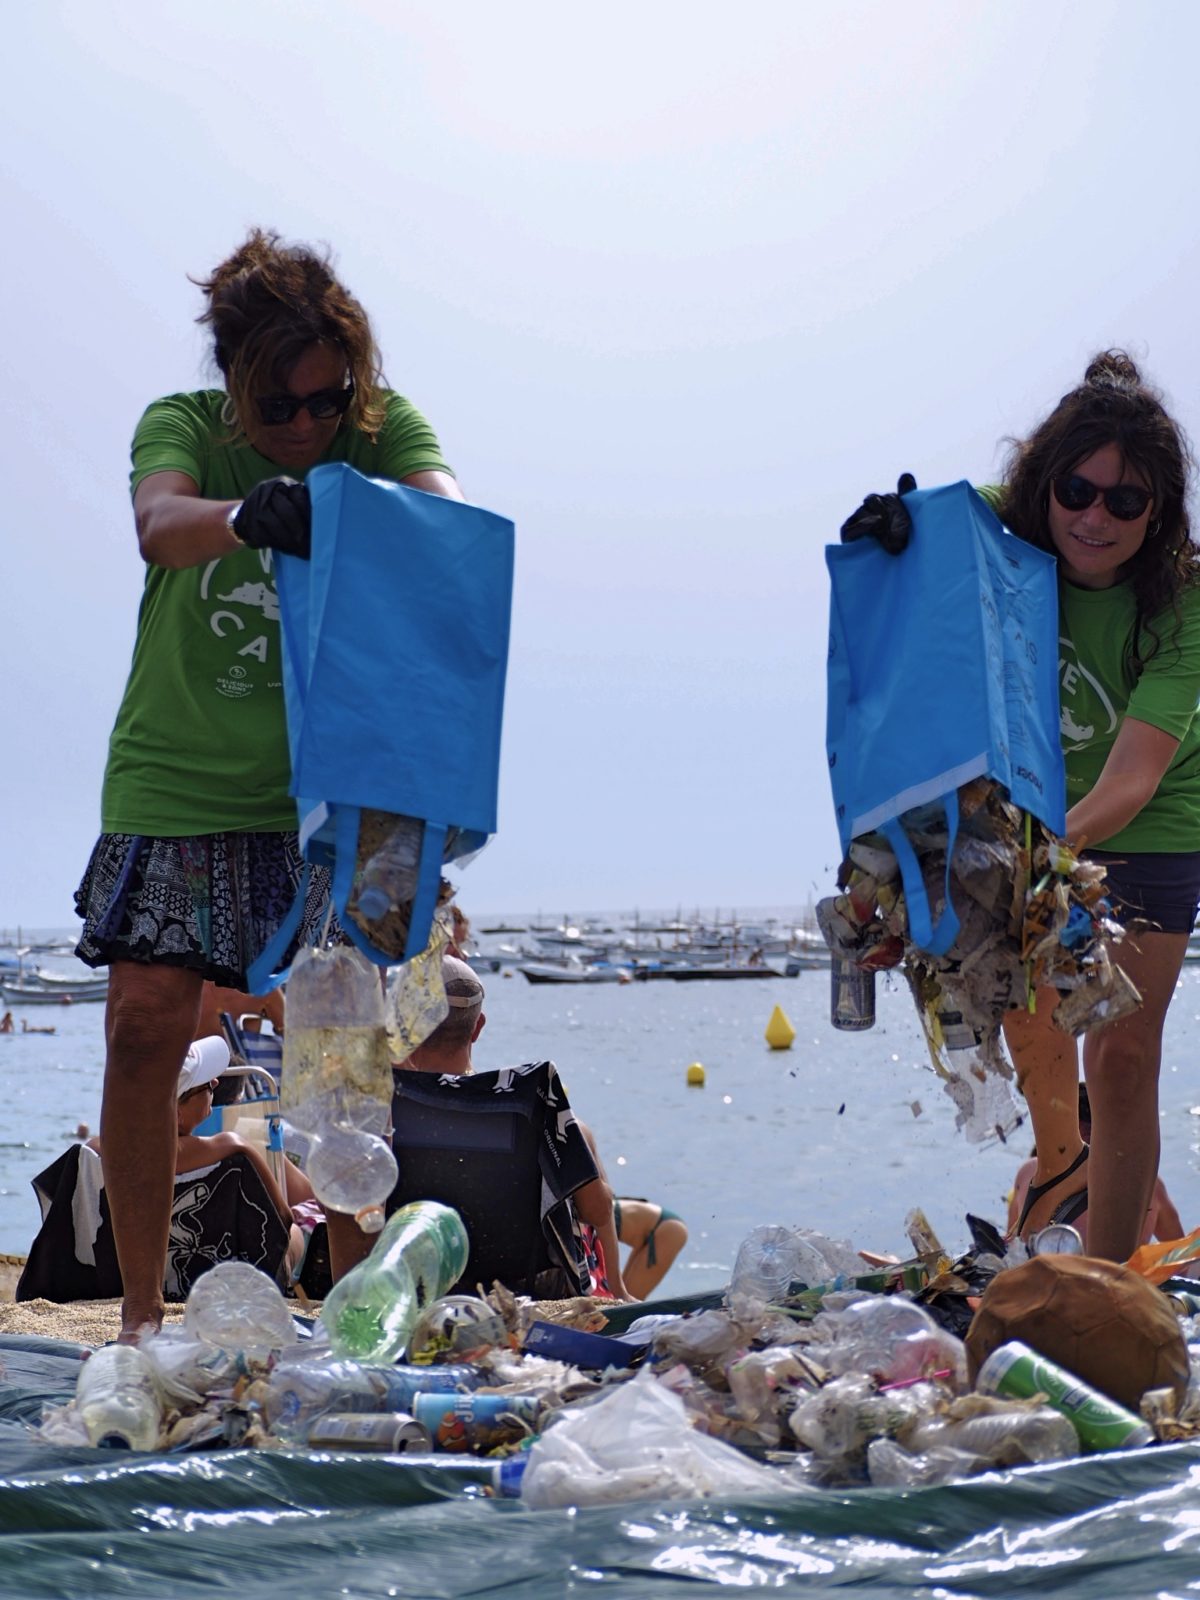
(1074, 1203)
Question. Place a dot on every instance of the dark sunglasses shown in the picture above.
(276, 409)
(1126, 501)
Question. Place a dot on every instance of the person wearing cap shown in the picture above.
(447, 1052)
(205, 1062)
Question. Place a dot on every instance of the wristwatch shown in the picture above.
(231, 517)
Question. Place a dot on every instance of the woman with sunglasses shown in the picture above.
(197, 862)
(1102, 485)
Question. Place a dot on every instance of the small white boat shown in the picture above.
(573, 972)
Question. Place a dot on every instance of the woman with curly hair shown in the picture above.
(1102, 484)
(197, 862)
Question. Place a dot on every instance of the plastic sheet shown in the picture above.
(308, 1525)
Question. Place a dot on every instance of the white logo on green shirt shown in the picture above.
(1082, 701)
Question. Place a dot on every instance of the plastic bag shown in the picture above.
(636, 1444)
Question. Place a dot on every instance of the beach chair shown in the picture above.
(248, 1041)
(247, 1102)
(218, 1213)
(503, 1149)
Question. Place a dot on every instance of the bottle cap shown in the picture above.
(370, 1219)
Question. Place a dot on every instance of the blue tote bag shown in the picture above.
(943, 667)
(395, 649)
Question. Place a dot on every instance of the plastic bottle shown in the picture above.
(886, 1335)
(389, 877)
(421, 1253)
(337, 1082)
(1008, 1438)
(301, 1389)
(238, 1308)
(354, 1171)
(118, 1398)
(769, 1259)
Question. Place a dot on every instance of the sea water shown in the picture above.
(844, 1133)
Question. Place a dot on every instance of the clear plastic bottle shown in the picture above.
(389, 877)
(118, 1398)
(354, 1171)
(337, 1080)
(238, 1308)
(1008, 1438)
(303, 1388)
(421, 1253)
(769, 1259)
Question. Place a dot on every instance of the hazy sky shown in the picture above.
(675, 283)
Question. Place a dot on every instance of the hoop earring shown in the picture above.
(1154, 529)
(229, 414)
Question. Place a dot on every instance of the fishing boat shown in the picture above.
(30, 994)
(696, 972)
(573, 972)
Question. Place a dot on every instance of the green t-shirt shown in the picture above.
(200, 741)
(1096, 692)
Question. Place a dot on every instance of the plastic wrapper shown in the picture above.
(636, 1443)
(416, 994)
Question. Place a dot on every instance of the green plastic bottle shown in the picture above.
(422, 1251)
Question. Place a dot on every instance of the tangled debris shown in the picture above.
(1032, 914)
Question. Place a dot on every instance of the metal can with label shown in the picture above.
(390, 1431)
(477, 1421)
(1014, 1369)
(1058, 1239)
(851, 995)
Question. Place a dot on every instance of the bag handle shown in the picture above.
(934, 940)
(261, 976)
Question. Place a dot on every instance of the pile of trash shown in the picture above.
(1031, 914)
(805, 1375)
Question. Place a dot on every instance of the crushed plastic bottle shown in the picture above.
(890, 1337)
(337, 1082)
(236, 1307)
(300, 1389)
(1002, 1438)
(889, 1466)
(118, 1398)
(389, 877)
(839, 1420)
(421, 1253)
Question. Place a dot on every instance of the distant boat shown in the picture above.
(678, 972)
(29, 994)
(572, 972)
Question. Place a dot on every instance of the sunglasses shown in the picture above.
(1126, 502)
(274, 410)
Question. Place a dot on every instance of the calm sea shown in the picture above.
(845, 1133)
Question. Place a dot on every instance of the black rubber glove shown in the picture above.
(277, 513)
(884, 517)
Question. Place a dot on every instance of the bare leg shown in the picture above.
(1047, 1066)
(348, 1244)
(638, 1219)
(150, 1021)
(1122, 1064)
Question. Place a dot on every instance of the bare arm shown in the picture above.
(1132, 773)
(175, 527)
(435, 483)
(1168, 1224)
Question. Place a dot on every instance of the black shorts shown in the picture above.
(1161, 888)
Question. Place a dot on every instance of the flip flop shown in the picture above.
(1037, 1190)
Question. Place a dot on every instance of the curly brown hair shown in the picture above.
(267, 304)
(1113, 406)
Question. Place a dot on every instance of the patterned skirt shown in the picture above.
(210, 902)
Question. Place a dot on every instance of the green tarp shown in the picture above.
(295, 1525)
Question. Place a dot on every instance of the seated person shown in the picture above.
(227, 1205)
(1162, 1219)
(655, 1237)
(447, 1053)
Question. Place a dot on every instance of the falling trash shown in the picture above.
(780, 1034)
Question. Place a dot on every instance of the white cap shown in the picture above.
(206, 1059)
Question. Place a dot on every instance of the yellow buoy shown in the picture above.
(780, 1034)
(695, 1075)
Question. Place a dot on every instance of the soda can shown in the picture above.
(479, 1422)
(1059, 1239)
(851, 995)
(390, 1431)
(1014, 1369)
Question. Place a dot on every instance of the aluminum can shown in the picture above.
(477, 1421)
(1016, 1370)
(390, 1431)
(851, 996)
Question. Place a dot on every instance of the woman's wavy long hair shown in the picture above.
(1113, 406)
(266, 305)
